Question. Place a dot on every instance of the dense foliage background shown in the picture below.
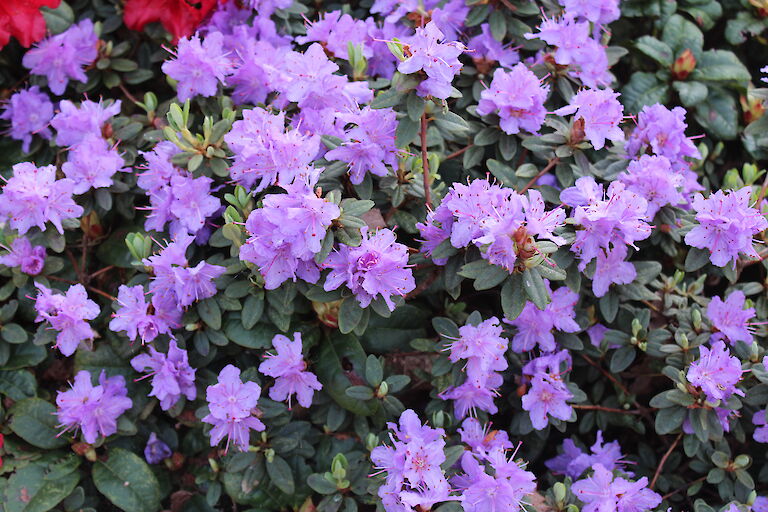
(630, 343)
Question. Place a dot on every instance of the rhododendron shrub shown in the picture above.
(412, 255)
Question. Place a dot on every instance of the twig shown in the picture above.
(88, 287)
(459, 152)
(101, 271)
(606, 409)
(553, 162)
(664, 460)
(683, 488)
(508, 5)
(425, 161)
(128, 93)
(622, 387)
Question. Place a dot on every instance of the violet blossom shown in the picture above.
(730, 318)
(199, 66)
(171, 374)
(29, 111)
(68, 314)
(377, 267)
(156, 450)
(33, 196)
(62, 57)
(726, 225)
(92, 163)
(93, 409)
(518, 97)
(601, 113)
(716, 372)
(289, 369)
(536, 326)
(231, 406)
(439, 60)
(22, 254)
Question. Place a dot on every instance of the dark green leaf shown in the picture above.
(30, 490)
(34, 420)
(281, 475)
(127, 481)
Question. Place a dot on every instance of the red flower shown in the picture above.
(179, 17)
(22, 19)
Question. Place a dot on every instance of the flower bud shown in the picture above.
(684, 65)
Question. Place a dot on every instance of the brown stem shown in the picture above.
(683, 488)
(622, 387)
(128, 93)
(425, 161)
(459, 152)
(508, 5)
(606, 409)
(664, 460)
(101, 271)
(87, 287)
(552, 162)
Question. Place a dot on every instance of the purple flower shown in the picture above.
(716, 372)
(547, 396)
(289, 369)
(653, 178)
(266, 8)
(156, 450)
(370, 145)
(92, 163)
(68, 314)
(266, 154)
(231, 405)
(192, 201)
(585, 56)
(174, 277)
(730, 317)
(134, 318)
(73, 124)
(726, 225)
(254, 75)
(482, 347)
(761, 502)
(573, 462)
(617, 220)
(601, 492)
(336, 31)
(159, 168)
(192, 284)
(22, 254)
(33, 196)
(535, 326)
(412, 463)
(596, 335)
(482, 439)
(499, 221)
(474, 393)
(93, 409)
(505, 490)
(199, 66)
(171, 374)
(450, 17)
(382, 63)
(518, 97)
(611, 268)
(761, 430)
(309, 80)
(379, 266)
(63, 56)
(286, 233)
(438, 60)
(29, 111)
(601, 12)
(662, 132)
(485, 47)
(601, 112)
